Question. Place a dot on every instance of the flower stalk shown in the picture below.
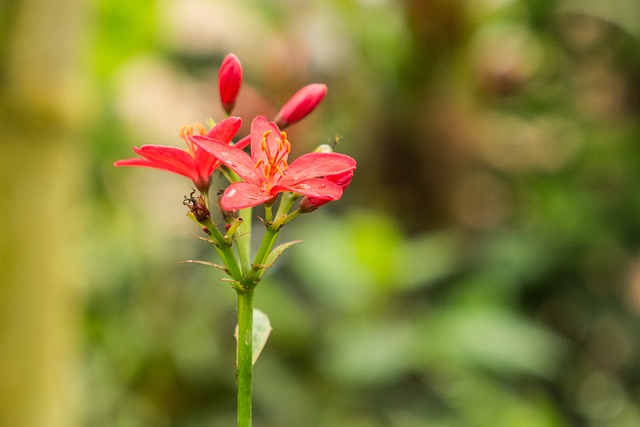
(243, 240)
(259, 178)
(245, 355)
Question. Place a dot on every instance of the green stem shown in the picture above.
(269, 239)
(243, 235)
(245, 355)
(268, 213)
(243, 240)
(223, 249)
(285, 218)
(287, 200)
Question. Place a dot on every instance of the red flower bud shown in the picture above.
(229, 81)
(300, 104)
(310, 204)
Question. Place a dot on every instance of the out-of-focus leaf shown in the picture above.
(491, 338)
(328, 265)
(425, 259)
(366, 352)
(368, 257)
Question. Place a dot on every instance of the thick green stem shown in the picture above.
(245, 355)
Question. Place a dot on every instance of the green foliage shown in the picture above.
(482, 269)
(124, 29)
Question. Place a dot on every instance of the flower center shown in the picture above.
(273, 163)
(189, 130)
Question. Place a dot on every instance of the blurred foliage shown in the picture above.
(482, 269)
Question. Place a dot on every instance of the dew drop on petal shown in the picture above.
(232, 192)
(304, 186)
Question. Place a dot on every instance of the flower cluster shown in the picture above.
(319, 177)
(267, 172)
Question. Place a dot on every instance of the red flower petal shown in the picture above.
(317, 165)
(240, 195)
(310, 204)
(259, 126)
(316, 187)
(234, 158)
(243, 142)
(342, 179)
(225, 130)
(205, 163)
(171, 159)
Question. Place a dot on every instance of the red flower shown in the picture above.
(300, 104)
(266, 172)
(229, 81)
(310, 204)
(194, 163)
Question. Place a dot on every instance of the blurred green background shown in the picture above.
(483, 269)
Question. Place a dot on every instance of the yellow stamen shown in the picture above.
(276, 162)
(189, 130)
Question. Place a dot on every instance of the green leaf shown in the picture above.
(261, 330)
(275, 254)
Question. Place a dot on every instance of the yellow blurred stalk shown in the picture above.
(40, 187)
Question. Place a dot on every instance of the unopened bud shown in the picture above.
(310, 204)
(229, 81)
(300, 104)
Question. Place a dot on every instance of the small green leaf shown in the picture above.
(261, 330)
(277, 252)
(274, 255)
